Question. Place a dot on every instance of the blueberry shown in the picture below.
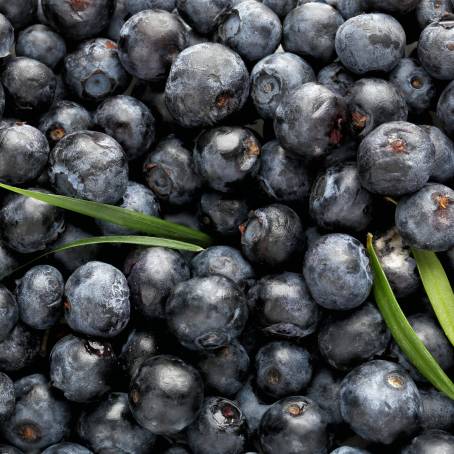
(76, 19)
(82, 369)
(335, 77)
(272, 235)
(349, 339)
(425, 219)
(428, 11)
(283, 306)
(155, 272)
(110, 427)
(370, 42)
(445, 109)
(380, 401)
(29, 225)
(415, 84)
(7, 398)
(225, 156)
(282, 177)
(222, 213)
(392, 6)
(225, 261)
(63, 118)
(41, 43)
(149, 42)
(66, 448)
(349, 450)
(437, 410)
(136, 198)
(7, 449)
(350, 8)
(40, 418)
(29, 85)
(139, 346)
(6, 36)
(207, 82)
(177, 449)
(310, 120)
(395, 159)
(220, 423)
(346, 277)
(437, 35)
(294, 425)
(431, 441)
(274, 77)
(39, 295)
(165, 395)
(89, 165)
(205, 313)
(373, 102)
(281, 7)
(224, 370)
(93, 71)
(170, 173)
(20, 13)
(338, 201)
(324, 390)
(397, 263)
(10, 312)
(97, 300)
(251, 29)
(310, 30)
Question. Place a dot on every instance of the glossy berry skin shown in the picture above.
(7, 397)
(6, 36)
(425, 219)
(430, 442)
(224, 370)
(428, 11)
(335, 77)
(437, 35)
(205, 313)
(222, 214)
(41, 43)
(437, 410)
(89, 165)
(78, 20)
(40, 418)
(82, 369)
(136, 198)
(282, 177)
(372, 102)
(19, 13)
(109, 426)
(39, 296)
(363, 43)
(63, 118)
(29, 86)
(272, 235)
(415, 84)
(251, 29)
(10, 312)
(282, 369)
(169, 171)
(203, 15)
(220, 423)
(155, 272)
(283, 306)
(165, 395)
(294, 425)
(225, 156)
(29, 225)
(395, 159)
(344, 259)
(309, 121)
(97, 300)
(348, 339)
(207, 82)
(310, 30)
(380, 401)
(445, 109)
(338, 201)
(93, 71)
(274, 77)
(66, 448)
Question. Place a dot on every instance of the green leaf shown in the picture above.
(438, 289)
(402, 331)
(134, 220)
(129, 239)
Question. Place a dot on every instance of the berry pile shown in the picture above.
(284, 129)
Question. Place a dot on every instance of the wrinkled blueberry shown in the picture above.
(335, 77)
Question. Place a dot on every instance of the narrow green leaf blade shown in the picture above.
(438, 289)
(140, 222)
(402, 331)
(119, 239)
